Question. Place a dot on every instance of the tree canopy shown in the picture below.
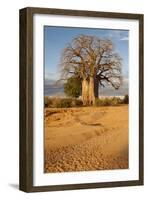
(90, 57)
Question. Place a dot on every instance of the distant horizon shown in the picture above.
(59, 91)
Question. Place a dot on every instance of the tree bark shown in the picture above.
(91, 91)
(85, 95)
(96, 87)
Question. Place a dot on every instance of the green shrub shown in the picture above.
(73, 87)
(64, 103)
(103, 102)
(108, 101)
(126, 99)
(47, 101)
(77, 102)
(116, 101)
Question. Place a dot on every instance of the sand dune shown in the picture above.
(88, 138)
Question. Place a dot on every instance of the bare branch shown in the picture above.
(88, 56)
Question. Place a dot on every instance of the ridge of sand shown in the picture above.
(87, 138)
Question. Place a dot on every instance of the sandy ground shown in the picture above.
(88, 138)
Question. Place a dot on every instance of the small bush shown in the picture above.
(64, 103)
(108, 101)
(126, 99)
(61, 102)
(55, 103)
(77, 102)
(73, 87)
(102, 102)
(47, 102)
(116, 101)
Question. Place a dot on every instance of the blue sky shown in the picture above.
(56, 38)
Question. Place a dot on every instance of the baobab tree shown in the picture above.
(95, 62)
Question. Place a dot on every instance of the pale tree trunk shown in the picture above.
(91, 91)
(96, 87)
(85, 90)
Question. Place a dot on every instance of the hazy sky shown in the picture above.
(56, 38)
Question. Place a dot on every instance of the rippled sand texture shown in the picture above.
(88, 138)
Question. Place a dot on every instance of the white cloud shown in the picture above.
(51, 76)
(124, 39)
(118, 35)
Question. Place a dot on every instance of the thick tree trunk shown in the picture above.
(96, 87)
(85, 95)
(91, 91)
